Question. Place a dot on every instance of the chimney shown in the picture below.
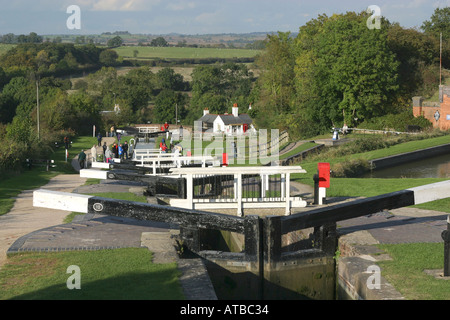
(205, 111)
(235, 110)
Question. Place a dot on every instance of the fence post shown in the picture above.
(238, 191)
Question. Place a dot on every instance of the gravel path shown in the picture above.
(24, 218)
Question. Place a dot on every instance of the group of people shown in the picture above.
(118, 150)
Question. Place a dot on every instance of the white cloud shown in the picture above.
(207, 17)
(180, 6)
(120, 5)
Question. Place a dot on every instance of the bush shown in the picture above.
(350, 169)
(397, 122)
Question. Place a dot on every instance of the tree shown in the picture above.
(168, 79)
(159, 42)
(167, 104)
(417, 53)
(115, 42)
(355, 70)
(108, 58)
(336, 70)
(7, 109)
(439, 22)
(218, 87)
(276, 82)
(136, 87)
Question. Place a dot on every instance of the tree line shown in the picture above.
(337, 70)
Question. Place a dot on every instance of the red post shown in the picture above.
(324, 175)
(225, 159)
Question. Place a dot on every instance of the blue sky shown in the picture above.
(195, 16)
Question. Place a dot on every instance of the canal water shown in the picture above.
(436, 167)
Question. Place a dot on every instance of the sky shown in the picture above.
(190, 17)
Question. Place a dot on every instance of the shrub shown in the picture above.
(350, 169)
(397, 122)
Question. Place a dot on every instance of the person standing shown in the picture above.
(108, 155)
(82, 159)
(125, 149)
(66, 142)
(163, 146)
(120, 150)
(115, 150)
(94, 153)
(99, 139)
(104, 147)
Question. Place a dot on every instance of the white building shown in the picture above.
(234, 123)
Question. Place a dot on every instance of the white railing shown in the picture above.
(148, 129)
(155, 158)
(237, 200)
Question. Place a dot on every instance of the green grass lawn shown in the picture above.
(406, 271)
(442, 205)
(119, 274)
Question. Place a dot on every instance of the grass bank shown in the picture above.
(120, 274)
(406, 272)
(344, 154)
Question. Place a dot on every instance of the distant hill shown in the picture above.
(227, 39)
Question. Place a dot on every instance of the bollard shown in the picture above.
(446, 238)
(316, 188)
(225, 160)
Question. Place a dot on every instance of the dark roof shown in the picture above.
(227, 118)
(208, 118)
(240, 119)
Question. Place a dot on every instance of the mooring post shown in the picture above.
(446, 238)
(272, 241)
(253, 232)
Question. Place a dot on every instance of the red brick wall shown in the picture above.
(429, 111)
(444, 121)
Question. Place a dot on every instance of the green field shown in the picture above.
(145, 52)
(183, 53)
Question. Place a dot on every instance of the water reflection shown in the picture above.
(436, 167)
